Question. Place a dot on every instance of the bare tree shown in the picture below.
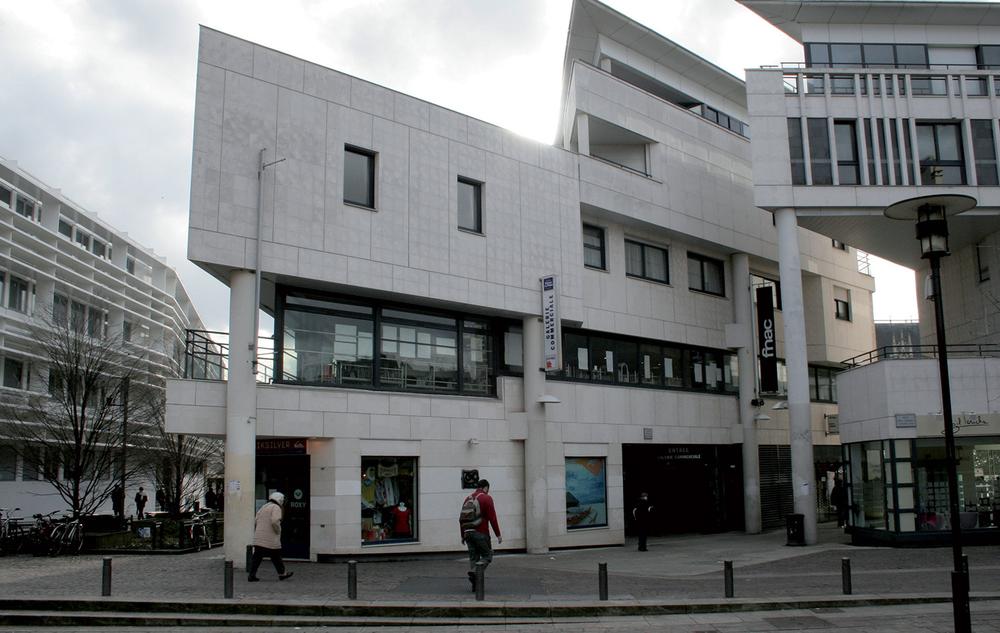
(74, 434)
(181, 463)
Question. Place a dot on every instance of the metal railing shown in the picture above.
(898, 352)
(206, 356)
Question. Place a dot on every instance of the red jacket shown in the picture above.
(486, 510)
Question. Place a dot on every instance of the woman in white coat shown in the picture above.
(267, 537)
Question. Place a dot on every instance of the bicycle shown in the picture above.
(11, 532)
(39, 535)
(66, 537)
(198, 530)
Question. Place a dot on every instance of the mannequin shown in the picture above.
(401, 521)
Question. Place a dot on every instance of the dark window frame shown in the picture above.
(602, 249)
(369, 202)
(851, 164)
(982, 270)
(477, 202)
(373, 309)
(643, 273)
(937, 161)
(765, 281)
(837, 244)
(702, 260)
(842, 309)
(864, 63)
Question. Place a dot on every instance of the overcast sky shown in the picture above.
(98, 95)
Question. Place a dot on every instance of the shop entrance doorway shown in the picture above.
(693, 488)
(283, 466)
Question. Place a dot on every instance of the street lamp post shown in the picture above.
(932, 231)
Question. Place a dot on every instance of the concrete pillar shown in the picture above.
(743, 313)
(583, 134)
(796, 360)
(535, 484)
(241, 419)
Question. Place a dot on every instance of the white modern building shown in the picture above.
(57, 256)
(400, 248)
(898, 101)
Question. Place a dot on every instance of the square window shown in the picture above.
(646, 262)
(705, 274)
(593, 247)
(842, 309)
(13, 373)
(65, 228)
(838, 244)
(470, 205)
(5, 195)
(359, 177)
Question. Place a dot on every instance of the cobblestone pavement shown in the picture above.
(903, 619)
(675, 568)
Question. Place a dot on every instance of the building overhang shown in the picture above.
(790, 16)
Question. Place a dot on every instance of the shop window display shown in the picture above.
(388, 497)
(586, 492)
(868, 500)
(978, 484)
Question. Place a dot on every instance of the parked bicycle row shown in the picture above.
(58, 533)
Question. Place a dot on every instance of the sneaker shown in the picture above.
(285, 576)
(253, 579)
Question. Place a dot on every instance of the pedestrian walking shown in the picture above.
(838, 498)
(118, 501)
(140, 503)
(477, 516)
(267, 538)
(642, 513)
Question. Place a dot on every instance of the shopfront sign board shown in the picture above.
(766, 340)
(551, 331)
(965, 424)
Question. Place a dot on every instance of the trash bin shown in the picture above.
(795, 529)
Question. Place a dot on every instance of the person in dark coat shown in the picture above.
(140, 503)
(838, 498)
(118, 501)
(642, 513)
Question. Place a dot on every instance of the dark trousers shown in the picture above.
(258, 555)
(641, 533)
(480, 549)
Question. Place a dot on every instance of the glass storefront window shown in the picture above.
(388, 499)
(650, 365)
(586, 492)
(978, 483)
(868, 502)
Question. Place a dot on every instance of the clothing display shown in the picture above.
(388, 490)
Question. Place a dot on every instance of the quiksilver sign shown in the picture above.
(766, 343)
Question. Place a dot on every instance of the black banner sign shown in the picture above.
(766, 343)
(281, 446)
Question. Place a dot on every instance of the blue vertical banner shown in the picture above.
(551, 331)
(766, 343)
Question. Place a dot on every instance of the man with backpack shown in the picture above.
(477, 515)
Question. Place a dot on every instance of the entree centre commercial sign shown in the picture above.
(551, 332)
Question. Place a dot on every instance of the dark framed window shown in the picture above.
(17, 294)
(8, 463)
(646, 262)
(939, 147)
(819, 151)
(846, 136)
(65, 228)
(838, 244)
(854, 55)
(822, 384)
(989, 57)
(25, 207)
(982, 265)
(327, 340)
(984, 151)
(706, 274)
(593, 247)
(359, 177)
(470, 205)
(630, 362)
(795, 151)
(5, 195)
(13, 373)
(842, 309)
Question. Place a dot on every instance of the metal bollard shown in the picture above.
(106, 577)
(249, 557)
(227, 582)
(352, 579)
(845, 575)
(602, 580)
(480, 581)
(728, 573)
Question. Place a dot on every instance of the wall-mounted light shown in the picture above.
(473, 441)
(781, 404)
(548, 399)
(761, 417)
